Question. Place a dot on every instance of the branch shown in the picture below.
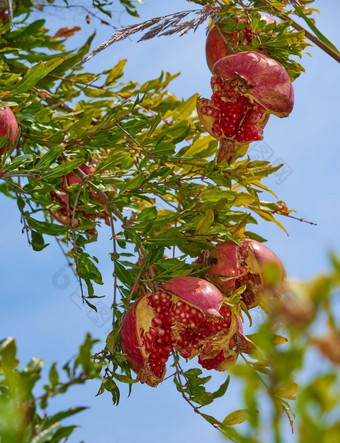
(308, 34)
(165, 25)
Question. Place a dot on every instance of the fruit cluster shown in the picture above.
(191, 315)
(247, 87)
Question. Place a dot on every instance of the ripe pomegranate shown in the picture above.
(61, 197)
(247, 88)
(220, 43)
(8, 128)
(232, 266)
(186, 314)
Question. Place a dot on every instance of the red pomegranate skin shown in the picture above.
(246, 263)
(217, 41)
(268, 80)
(196, 291)
(131, 343)
(7, 122)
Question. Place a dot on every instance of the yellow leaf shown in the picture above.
(236, 417)
(287, 390)
(268, 217)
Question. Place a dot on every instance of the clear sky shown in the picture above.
(39, 299)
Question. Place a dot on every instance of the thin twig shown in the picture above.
(69, 263)
(115, 285)
(134, 140)
(75, 248)
(88, 12)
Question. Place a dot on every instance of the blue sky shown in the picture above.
(39, 299)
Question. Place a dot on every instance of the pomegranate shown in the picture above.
(247, 88)
(232, 266)
(186, 314)
(8, 128)
(61, 197)
(220, 43)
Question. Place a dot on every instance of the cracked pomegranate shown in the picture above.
(232, 266)
(186, 314)
(247, 88)
(8, 128)
(220, 43)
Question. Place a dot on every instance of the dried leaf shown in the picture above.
(66, 32)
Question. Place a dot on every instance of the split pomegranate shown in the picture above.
(8, 128)
(247, 88)
(186, 314)
(219, 43)
(61, 197)
(232, 266)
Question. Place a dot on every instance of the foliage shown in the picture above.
(23, 415)
(157, 184)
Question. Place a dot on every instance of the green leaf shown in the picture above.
(46, 228)
(123, 378)
(64, 168)
(8, 351)
(53, 376)
(46, 435)
(193, 371)
(204, 399)
(236, 417)
(206, 221)
(212, 420)
(112, 340)
(51, 155)
(154, 125)
(315, 29)
(64, 414)
(122, 274)
(36, 73)
(38, 241)
(222, 389)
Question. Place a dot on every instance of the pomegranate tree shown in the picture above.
(232, 266)
(219, 43)
(64, 214)
(186, 314)
(247, 88)
(8, 128)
